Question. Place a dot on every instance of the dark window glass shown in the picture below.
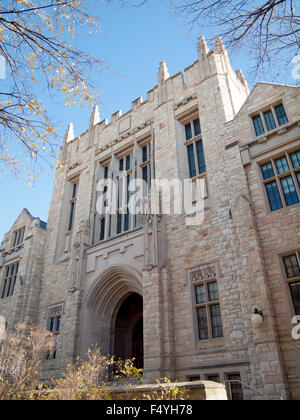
(74, 193)
(191, 159)
(258, 125)
(102, 229)
(126, 222)
(109, 226)
(4, 289)
(236, 387)
(202, 324)
(295, 157)
(194, 378)
(282, 165)
(273, 196)
(19, 236)
(188, 131)
(201, 157)
(269, 119)
(291, 266)
(119, 223)
(58, 324)
(121, 165)
(145, 174)
(214, 378)
(281, 115)
(71, 216)
(267, 170)
(52, 325)
(127, 163)
(200, 294)
(127, 189)
(289, 190)
(298, 177)
(216, 321)
(197, 127)
(106, 172)
(295, 292)
(213, 293)
(145, 154)
(9, 281)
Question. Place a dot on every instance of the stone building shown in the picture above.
(213, 300)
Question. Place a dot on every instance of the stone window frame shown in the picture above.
(287, 281)
(277, 177)
(261, 112)
(212, 268)
(55, 312)
(9, 278)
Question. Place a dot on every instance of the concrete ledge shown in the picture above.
(196, 390)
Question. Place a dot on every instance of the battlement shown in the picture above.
(177, 88)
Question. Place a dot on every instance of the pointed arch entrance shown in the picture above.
(113, 314)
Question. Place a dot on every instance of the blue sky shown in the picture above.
(133, 41)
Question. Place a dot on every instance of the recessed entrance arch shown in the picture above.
(127, 339)
(112, 314)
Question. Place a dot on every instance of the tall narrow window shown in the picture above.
(9, 281)
(195, 150)
(102, 229)
(72, 203)
(292, 272)
(191, 158)
(123, 179)
(206, 303)
(54, 327)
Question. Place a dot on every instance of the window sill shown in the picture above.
(118, 236)
(278, 130)
(282, 209)
(210, 343)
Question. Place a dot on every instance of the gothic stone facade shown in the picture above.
(180, 297)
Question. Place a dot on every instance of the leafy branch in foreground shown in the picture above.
(39, 58)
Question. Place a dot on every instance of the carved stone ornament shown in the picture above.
(205, 273)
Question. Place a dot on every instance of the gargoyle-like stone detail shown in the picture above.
(79, 247)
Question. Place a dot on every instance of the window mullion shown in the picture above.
(196, 158)
(274, 116)
(263, 122)
(279, 186)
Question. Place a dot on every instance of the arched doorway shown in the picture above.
(112, 307)
(128, 330)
